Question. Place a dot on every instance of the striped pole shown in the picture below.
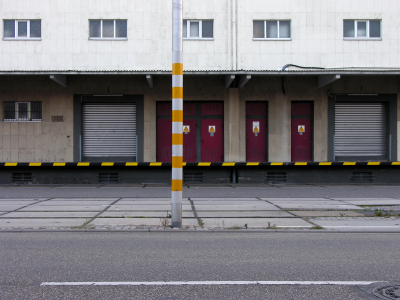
(177, 114)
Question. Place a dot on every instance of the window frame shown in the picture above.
(367, 37)
(101, 38)
(200, 37)
(28, 29)
(17, 117)
(265, 38)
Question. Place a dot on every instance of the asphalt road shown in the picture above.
(270, 191)
(29, 259)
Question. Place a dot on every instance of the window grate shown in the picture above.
(57, 118)
(108, 177)
(362, 177)
(22, 111)
(193, 177)
(21, 177)
(276, 177)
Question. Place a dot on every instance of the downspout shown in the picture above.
(234, 35)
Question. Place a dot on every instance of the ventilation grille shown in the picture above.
(21, 177)
(193, 177)
(57, 118)
(108, 177)
(276, 177)
(362, 177)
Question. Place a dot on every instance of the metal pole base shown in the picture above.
(176, 215)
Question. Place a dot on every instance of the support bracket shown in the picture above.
(60, 79)
(243, 79)
(327, 79)
(149, 79)
(228, 80)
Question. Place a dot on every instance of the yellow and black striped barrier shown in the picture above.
(194, 164)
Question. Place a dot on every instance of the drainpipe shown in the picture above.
(234, 35)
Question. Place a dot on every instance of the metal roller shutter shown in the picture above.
(360, 129)
(109, 130)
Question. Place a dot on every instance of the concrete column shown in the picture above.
(233, 126)
(149, 138)
(279, 124)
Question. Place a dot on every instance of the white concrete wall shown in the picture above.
(65, 43)
(317, 35)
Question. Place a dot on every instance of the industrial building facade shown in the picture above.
(264, 81)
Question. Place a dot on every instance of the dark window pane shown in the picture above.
(207, 29)
(361, 29)
(22, 29)
(94, 28)
(284, 29)
(272, 29)
(108, 29)
(184, 29)
(9, 111)
(36, 29)
(121, 29)
(36, 110)
(258, 29)
(9, 28)
(348, 29)
(375, 29)
(23, 110)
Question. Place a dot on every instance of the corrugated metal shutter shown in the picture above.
(109, 130)
(360, 129)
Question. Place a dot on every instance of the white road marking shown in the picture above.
(154, 283)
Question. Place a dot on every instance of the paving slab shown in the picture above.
(374, 202)
(244, 214)
(39, 214)
(370, 224)
(224, 199)
(318, 207)
(294, 199)
(37, 223)
(316, 213)
(10, 207)
(86, 199)
(150, 199)
(146, 207)
(150, 202)
(137, 222)
(239, 202)
(314, 202)
(74, 203)
(23, 199)
(154, 214)
(236, 207)
(255, 222)
(97, 208)
(18, 202)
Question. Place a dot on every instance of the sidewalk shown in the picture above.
(205, 214)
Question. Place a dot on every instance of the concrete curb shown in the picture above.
(187, 231)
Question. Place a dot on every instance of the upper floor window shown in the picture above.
(108, 29)
(362, 29)
(279, 29)
(22, 29)
(22, 111)
(198, 29)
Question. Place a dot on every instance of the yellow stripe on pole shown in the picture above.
(176, 185)
(177, 69)
(177, 93)
(177, 139)
(177, 161)
(177, 116)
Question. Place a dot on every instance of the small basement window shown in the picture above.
(22, 111)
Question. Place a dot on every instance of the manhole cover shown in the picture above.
(388, 292)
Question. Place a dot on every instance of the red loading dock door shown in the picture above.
(302, 117)
(256, 131)
(197, 142)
